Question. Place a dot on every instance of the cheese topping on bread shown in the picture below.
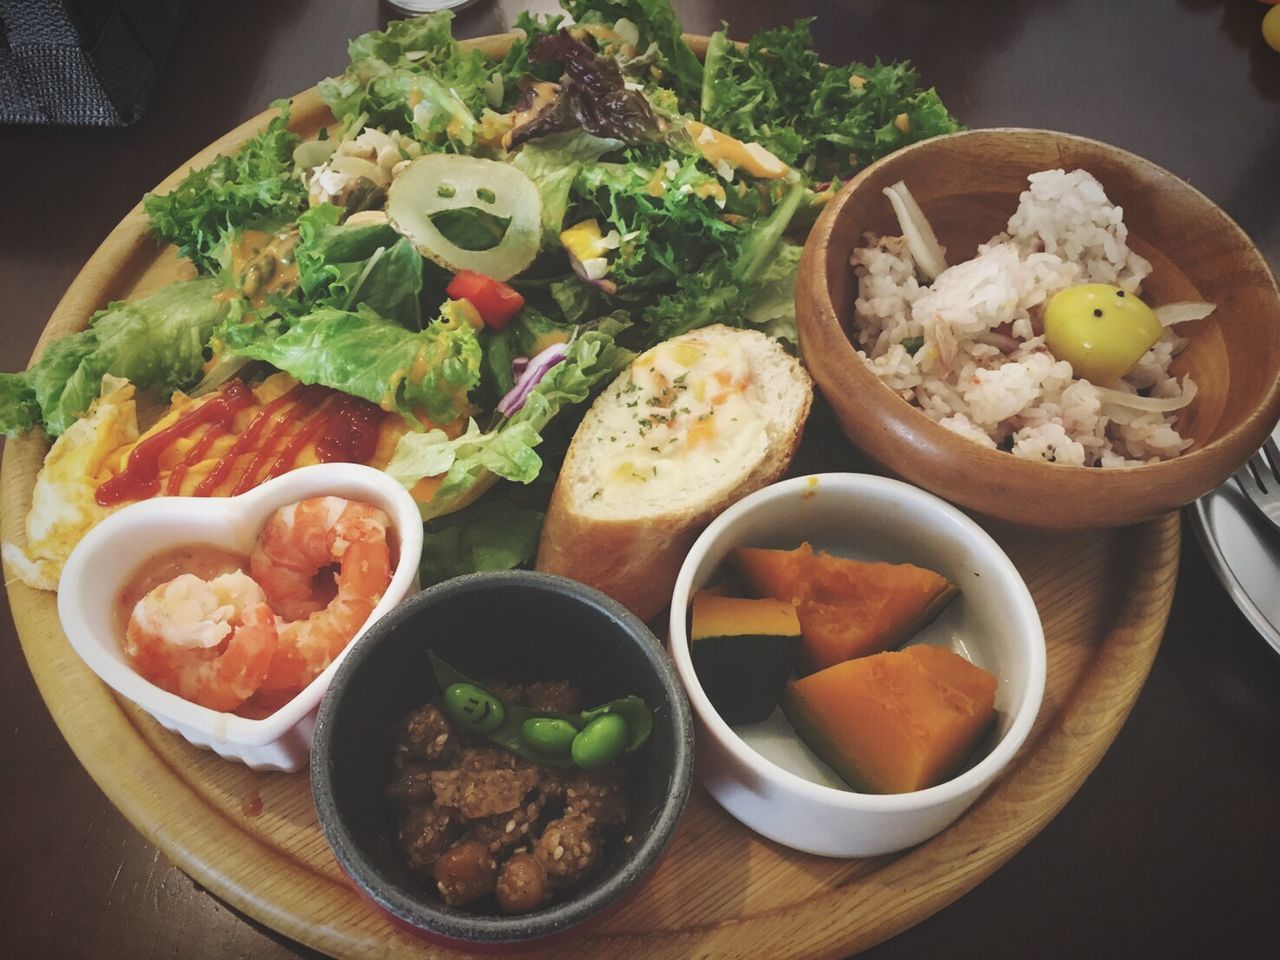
(688, 422)
(691, 426)
(690, 406)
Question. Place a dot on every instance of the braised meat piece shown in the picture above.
(425, 833)
(465, 872)
(568, 849)
(598, 796)
(410, 786)
(522, 884)
(506, 831)
(425, 734)
(483, 793)
(551, 787)
(553, 696)
(487, 758)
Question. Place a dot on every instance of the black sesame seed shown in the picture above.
(1097, 311)
(1119, 293)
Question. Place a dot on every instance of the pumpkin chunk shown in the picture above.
(744, 652)
(894, 722)
(848, 608)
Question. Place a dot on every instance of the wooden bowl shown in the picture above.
(968, 185)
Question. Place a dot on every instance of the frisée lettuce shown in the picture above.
(254, 186)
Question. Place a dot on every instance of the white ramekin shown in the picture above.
(993, 622)
(111, 552)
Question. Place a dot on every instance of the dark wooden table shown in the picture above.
(1171, 848)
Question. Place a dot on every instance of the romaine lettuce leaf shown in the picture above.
(361, 353)
(253, 186)
(508, 450)
(343, 267)
(773, 304)
(157, 342)
(494, 533)
(19, 411)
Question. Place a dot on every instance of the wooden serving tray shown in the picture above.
(253, 839)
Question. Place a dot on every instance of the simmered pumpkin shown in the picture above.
(744, 652)
(894, 722)
(848, 608)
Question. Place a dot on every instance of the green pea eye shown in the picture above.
(473, 707)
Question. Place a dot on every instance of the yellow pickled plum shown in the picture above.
(1101, 330)
(1271, 28)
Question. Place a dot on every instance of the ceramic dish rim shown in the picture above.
(77, 623)
(851, 801)
(454, 923)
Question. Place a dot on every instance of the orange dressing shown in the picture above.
(264, 264)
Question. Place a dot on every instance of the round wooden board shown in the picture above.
(252, 838)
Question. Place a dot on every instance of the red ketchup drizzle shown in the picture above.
(352, 436)
(198, 450)
(141, 475)
(244, 442)
(309, 399)
(305, 434)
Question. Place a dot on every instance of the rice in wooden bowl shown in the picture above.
(968, 185)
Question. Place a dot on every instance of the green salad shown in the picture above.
(478, 246)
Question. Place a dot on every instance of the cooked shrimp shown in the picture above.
(208, 641)
(297, 543)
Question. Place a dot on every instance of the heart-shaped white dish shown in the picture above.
(110, 554)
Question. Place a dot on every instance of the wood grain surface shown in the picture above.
(252, 838)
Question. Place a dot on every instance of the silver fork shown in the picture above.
(1259, 478)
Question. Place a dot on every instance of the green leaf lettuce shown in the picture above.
(157, 342)
(508, 450)
(360, 353)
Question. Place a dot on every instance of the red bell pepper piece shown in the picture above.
(496, 301)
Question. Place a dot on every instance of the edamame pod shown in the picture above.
(600, 742)
(473, 707)
(548, 734)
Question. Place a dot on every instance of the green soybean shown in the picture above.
(548, 734)
(600, 742)
(473, 707)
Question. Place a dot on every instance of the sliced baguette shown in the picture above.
(625, 529)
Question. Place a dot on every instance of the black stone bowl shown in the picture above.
(518, 626)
